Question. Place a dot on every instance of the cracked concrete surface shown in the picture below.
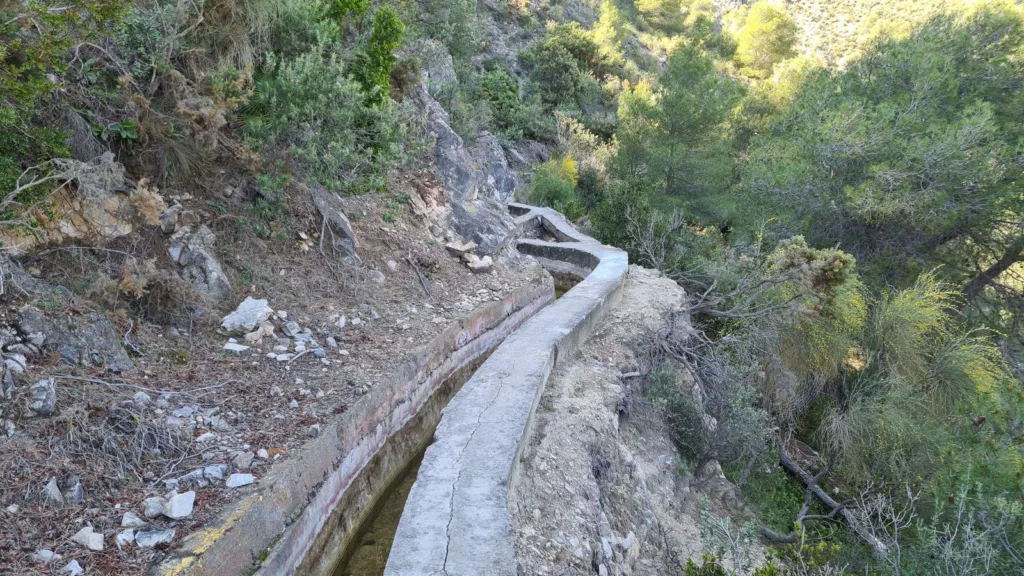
(456, 521)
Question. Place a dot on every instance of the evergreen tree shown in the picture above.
(767, 38)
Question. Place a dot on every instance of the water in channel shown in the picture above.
(368, 553)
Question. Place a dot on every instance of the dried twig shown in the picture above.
(419, 275)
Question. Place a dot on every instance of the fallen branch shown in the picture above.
(811, 482)
(801, 517)
(419, 275)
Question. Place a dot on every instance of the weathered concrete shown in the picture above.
(456, 520)
(284, 519)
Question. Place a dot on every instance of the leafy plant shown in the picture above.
(310, 107)
(554, 185)
(125, 131)
(373, 65)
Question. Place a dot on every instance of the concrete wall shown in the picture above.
(456, 521)
(284, 524)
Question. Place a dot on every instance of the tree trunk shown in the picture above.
(1013, 254)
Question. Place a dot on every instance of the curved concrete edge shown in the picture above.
(276, 525)
(456, 520)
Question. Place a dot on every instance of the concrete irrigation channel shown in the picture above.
(468, 398)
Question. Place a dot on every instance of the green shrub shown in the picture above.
(766, 39)
(34, 42)
(454, 24)
(515, 118)
(310, 107)
(565, 64)
(373, 65)
(339, 9)
(620, 202)
(554, 185)
(682, 412)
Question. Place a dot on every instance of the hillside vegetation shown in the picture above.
(836, 184)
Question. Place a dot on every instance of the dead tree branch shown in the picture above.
(880, 549)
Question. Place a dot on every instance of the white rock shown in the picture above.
(236, 480)
(91, 540)
(77, 494)
(153, 538)
(124, 538)
(216, 472)
(51, 493)
(180, 505)
(142, 399)
(263, 454)
(153, 506)
(17, 363)
(291, 329)
(242, 460)
(44, 556)
(207, 437)
(250, 314)
(44, 398)
(132, 520)
(238, 349)
(73, 568)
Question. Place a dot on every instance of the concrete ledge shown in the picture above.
(283, 519)
(456, 521)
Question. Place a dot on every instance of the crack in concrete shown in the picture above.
(451, 502)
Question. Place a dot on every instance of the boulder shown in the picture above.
(478, 211)
(88, 339)
(154, 538)
(250, 314)
(478, 265)
(169, 219)
(124, 538)
(332, 208)
(153, 506)
(435, 62)
(44, 556)
(132, 520)
(489, 154)
(180, 505)
(52, 495)
(238, 480)
(43, 401)
(195, 253)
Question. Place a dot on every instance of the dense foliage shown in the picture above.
(852, 230)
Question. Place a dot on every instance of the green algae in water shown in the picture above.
(368, 554)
